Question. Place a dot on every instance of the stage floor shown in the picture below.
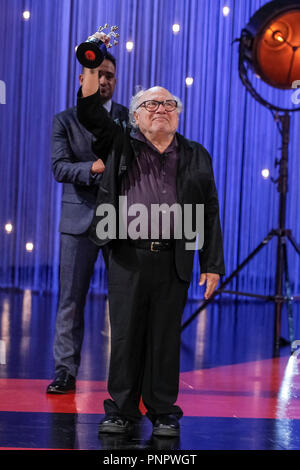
(235, 394)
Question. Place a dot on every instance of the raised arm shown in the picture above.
(90, 83)
(92, 115)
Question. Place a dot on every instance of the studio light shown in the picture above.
(270, 43)
(270, 46)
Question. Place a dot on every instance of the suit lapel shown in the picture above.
(184, 157)
(129, 154)
(114, 111)
(118, 115)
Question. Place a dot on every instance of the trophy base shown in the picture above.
(90, 55)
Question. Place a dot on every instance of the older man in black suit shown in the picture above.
(80, 170)
(149, 164)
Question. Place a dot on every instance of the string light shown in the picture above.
(8, 227)
(129, 46)
(29, 246)
(176, 28)
(189, 81)
(26, 15)
(226, 11)
(265, 173)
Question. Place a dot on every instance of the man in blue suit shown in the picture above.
(80, 170)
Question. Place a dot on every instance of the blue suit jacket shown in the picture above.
(72, 158)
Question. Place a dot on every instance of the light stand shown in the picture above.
(282, 118)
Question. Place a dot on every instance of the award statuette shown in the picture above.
(92, 52)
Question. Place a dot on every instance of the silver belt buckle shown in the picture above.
(152, 247)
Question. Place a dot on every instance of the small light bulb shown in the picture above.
(176, 28)
(226, 11)
(129, 46)
(189, 81)
(278, 36)
(8, 228)
(265, 173)
(29, 246)
(26, 15)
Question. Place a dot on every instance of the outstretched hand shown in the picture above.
(211, 281)
(102, 36)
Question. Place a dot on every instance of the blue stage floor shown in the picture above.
(235, 394)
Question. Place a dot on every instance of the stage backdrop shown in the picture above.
(39, 77)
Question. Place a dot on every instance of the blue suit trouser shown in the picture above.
(78, 255)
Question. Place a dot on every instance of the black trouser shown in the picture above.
(146, 302)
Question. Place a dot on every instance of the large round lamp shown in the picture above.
(269, 46)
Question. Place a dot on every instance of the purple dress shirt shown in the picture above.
(151, 180)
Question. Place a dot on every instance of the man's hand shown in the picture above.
(211, 280)
(98, 166)
(90, 83)
(102, 36)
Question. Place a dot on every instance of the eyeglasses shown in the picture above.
(153, 105)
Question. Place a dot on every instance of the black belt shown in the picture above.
(159, 245)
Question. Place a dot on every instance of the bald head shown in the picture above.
(144, 95)
(153, 91)
(160, 124)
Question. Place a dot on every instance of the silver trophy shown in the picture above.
(92, 52)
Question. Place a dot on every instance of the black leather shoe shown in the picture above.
(166, 425)
(115, 425)
(63, 383)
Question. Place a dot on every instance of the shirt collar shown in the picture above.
(108, 105)
(137, 135)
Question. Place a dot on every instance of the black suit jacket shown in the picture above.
(72, 158)
(195, 183)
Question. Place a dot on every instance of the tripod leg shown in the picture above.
(294, 243)
(278, 295)
(265, 241)
(289, 295)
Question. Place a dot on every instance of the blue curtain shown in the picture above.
(40, 74)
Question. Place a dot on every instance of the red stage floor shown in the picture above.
(268, 389)
(234, 393)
